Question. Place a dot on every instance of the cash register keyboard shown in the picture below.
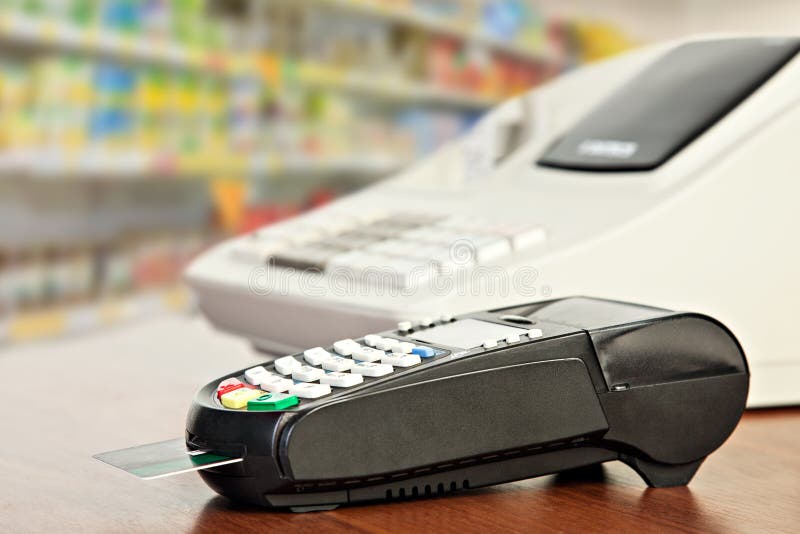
(398, 249)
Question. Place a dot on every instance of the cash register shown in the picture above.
(667, 175)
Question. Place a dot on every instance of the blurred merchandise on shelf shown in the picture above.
(598, 40)
(55, 291)
(37, 278)
(135, 132)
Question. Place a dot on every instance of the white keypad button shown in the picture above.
(345, 347)
(523, 238)
(372, 369)
(316, 356)
(534, 332)
(446, 317)
(425, 321)
(401, 360)
(372, 339)
(512, 338)
(462, 222)
(367, 354)
(310, 391)
(338, 363)
(370, 268)
(341, 380)
(368, 214)
(254, 375)
(275, 384)
(295, 232)
(437, 255)
(404, 347)
(489, 343)
(331, 223)
(306, 373)
(404, 273)
(393, 247)
(387, 344)
(286, 365)
(404, 326)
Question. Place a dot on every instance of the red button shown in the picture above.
(223, 389)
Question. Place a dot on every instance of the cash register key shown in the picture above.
(401, 360)
(367, 354)
(313, 256)
(522, 237)
(275, 384)
(338, 364)
(286, 365)
(404, 326)
(489, 343)
(254, 375)
(255, 250)
(238, 398)
(306, 373)
(306, 390)
(489, 248)
(316, 356)
(341, 380)
(372, 369)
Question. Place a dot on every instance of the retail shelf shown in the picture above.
(391, 88)
(66, 320)
(435, 24)
(21, 30)
(111, 165)
(24, 31)
(373, 165)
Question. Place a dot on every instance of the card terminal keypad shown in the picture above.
(350, 363)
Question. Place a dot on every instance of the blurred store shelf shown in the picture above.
(384, 88)
(465, 30)
(134, 134)
(80, 318)
(110, 165)
(45, 34)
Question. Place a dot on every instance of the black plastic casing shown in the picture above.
(656, 389)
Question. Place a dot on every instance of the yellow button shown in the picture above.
(238, 398)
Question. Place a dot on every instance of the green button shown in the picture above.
(272, 401)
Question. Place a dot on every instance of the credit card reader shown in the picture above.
(485, 398)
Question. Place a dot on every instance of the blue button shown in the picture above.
(424, 352)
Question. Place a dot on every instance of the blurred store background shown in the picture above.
(134, 133)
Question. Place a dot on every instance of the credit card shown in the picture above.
(162, 459)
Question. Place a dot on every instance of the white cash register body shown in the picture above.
(711, 228)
